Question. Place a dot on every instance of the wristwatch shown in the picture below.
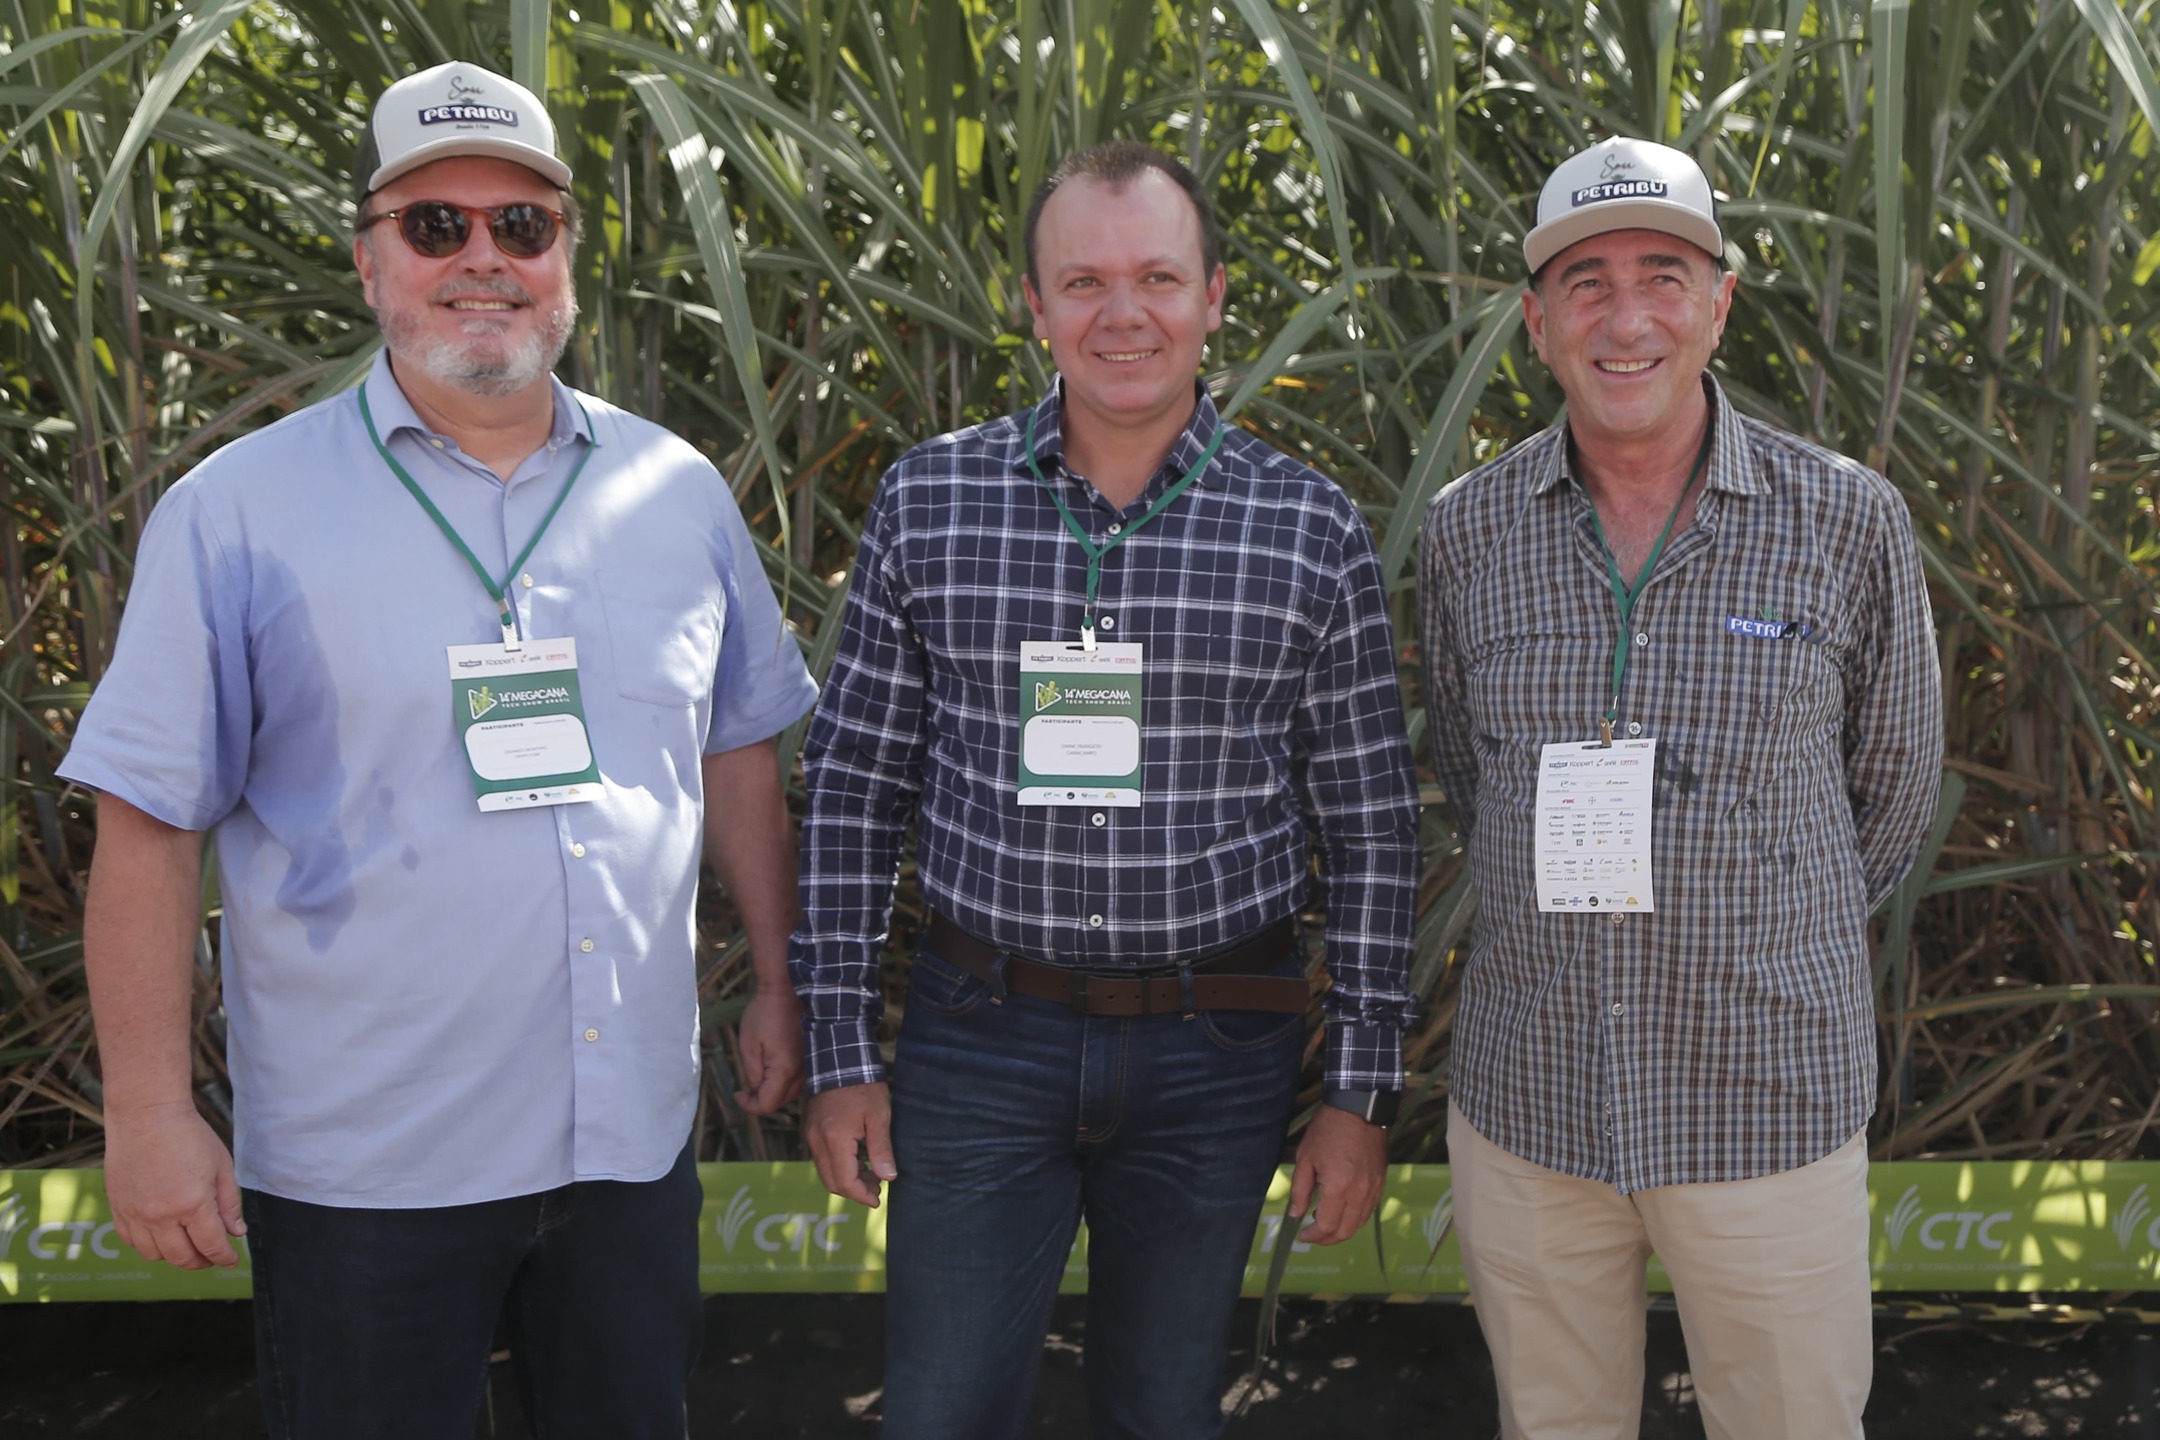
(1374, 1107)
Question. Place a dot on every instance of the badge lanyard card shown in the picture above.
(517, 704)
(1080, 701)
(1594, 799)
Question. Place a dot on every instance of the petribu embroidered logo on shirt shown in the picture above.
(480, 699)
(1769, 627)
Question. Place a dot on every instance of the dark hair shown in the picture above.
(1117, 163)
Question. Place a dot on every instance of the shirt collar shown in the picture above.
(1732, 468)
(1184, 452)
(394, 412)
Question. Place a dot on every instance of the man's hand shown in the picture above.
(1345, 1158)
(843, 1124)
(170, 1182)
(772, 1051)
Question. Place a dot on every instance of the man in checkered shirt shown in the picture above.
(1107, 1014)
(1690, 1073)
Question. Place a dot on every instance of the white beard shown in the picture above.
(476, 365)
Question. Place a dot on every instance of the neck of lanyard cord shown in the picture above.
(1624, 594)
(1096, 552)
(498, 589)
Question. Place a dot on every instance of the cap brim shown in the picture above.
(547, 167)
(1555, 235)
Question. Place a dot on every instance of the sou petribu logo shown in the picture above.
(462, 108)
(1620, 190)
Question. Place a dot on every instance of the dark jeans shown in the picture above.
(1014, 1117)
(374, 1324)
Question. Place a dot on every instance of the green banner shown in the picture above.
(2005, 1226)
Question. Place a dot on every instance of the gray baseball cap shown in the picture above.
(1623, 184)
(455, 109)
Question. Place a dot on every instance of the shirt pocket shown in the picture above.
(663, 634)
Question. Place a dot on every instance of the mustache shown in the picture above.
(493, 287)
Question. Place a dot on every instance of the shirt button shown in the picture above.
(1108, 622)
(526, 581)
(1642, 639)
(1095, 921)
(1099, 818)
(578, 851)
(434, 442)
(1617, 920)
(1634, 727)
(586, 945)
(1115, 527)
(1618, 1009)
(591, 1035)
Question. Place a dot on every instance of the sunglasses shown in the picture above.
(439, 229)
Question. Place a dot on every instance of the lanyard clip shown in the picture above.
(1604, 731)
(1087, 627)
(509, 629)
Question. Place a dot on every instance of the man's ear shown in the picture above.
(363, 259)
(1721, 295)
(1218, 284)
(1035, 307)
(1533, 314)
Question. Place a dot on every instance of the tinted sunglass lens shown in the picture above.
(523, 230)
(434, 229)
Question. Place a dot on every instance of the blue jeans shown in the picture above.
(1012, 1118)
(378, 1323)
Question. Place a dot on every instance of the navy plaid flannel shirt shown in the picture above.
(1272, 718)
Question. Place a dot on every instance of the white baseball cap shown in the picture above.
(455, 109)
(1623, 184)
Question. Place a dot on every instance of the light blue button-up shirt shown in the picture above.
(429, 1005)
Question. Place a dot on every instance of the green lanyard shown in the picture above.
(499, 589)
(1626, 595)
(1095, 552)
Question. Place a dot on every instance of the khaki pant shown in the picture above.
(1771, 1275)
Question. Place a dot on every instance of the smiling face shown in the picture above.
(1126, 301)
(1627, 322)
(478, 321)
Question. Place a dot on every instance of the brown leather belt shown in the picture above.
(1223, 981)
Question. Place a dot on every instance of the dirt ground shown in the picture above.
(788, 1366)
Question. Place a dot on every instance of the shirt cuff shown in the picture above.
(1364, 1056)
(840, 1053)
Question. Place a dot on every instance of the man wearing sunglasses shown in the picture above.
(462, 666)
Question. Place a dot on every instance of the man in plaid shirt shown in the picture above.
(1116, 757)
(1681, 1059)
